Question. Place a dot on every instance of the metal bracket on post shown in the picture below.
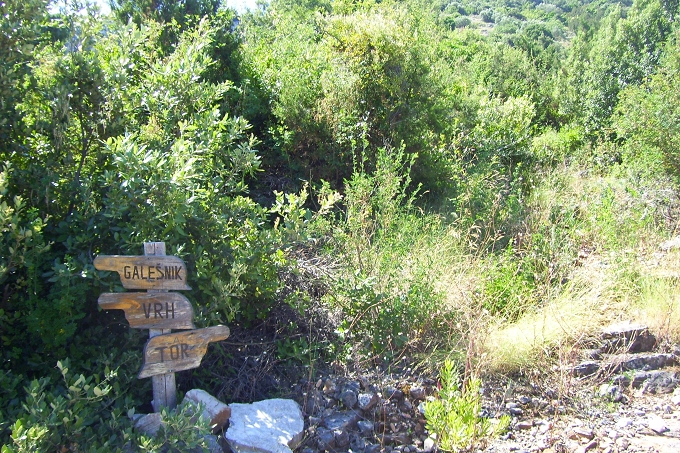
(164, 388)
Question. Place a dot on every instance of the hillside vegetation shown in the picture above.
(362, 182)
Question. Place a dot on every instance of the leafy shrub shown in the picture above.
(647, 118)
(181, 431)
(553, 147)
(487, 15)
(508, 286)
(384, 288)
(89, 413)
(462, 22)
(455, 415)
(77, 416)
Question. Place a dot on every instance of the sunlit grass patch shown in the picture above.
(658, 303)
(528, 342)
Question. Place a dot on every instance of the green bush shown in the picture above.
(384, 286)
(462, 22)
(455, 415)
(90, 413)
(78, 415)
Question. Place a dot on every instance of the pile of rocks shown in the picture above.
(354, 414)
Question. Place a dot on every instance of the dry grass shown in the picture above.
(658, 305)
(528, 342)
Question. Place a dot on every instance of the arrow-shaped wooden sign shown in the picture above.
(146, 272)
(151, 310)
(178, 351)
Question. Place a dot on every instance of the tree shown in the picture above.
(625, 50)
(21, 30)
(648, 116)
(164, 11)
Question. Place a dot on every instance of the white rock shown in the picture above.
(657, 424)
(622, 443)
(624, 422)
(213, 409)
(428, 445)
(269, 426)
(676, 399)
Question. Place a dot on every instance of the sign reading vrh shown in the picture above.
(178, 351)
(146, 272)
(151, 310)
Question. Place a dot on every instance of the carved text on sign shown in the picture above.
(179, 351)
(146, 272)
(151, 310)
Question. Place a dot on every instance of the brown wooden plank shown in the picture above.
(179, 351)
(146, 272)
(151, 310)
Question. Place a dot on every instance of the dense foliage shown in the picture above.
(381, 137)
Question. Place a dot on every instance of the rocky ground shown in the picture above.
(621, 397)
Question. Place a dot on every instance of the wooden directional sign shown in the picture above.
(178, 351)
(146, 272)
(151, 310)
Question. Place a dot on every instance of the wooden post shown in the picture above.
(164, 389)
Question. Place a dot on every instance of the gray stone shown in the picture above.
(396, 438)
(660, 382)
(514, 409)
(367, 401)
(341, 420)
(393, 393)
(315, 402)
(349, 399)
(212, 444)
(365, 427)
(357, 443)
(341, 438)
(585, 433)
(628, 337)
(584, 448)
(269, 426)
(314, 421)
(591, 354)
(417, 392)
(611, 392)
(325, 439)
(329, 387)
(624, 329)
(372, 448)
(645, 362)
(524, 424)
(586, 368)
(624, 422)
(622, 443)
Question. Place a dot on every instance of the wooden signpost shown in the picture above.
(159, 311)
